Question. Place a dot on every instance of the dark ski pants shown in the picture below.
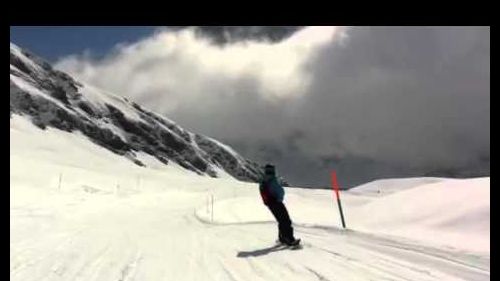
(284, 223)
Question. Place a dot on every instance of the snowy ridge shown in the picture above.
(52, 98)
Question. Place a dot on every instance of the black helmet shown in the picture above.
(269, 169)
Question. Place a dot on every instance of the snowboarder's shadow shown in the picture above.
(261, 252)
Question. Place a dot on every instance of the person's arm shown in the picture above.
(277, 190)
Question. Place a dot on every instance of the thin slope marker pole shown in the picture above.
(335, 187)
(208, 203)
(212, 208)
(60, 178)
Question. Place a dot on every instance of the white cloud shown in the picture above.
(182, 64)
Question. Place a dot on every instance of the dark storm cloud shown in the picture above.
(416, 98)
(222, 35)
(400, 102)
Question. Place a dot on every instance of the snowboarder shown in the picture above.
(272, 194)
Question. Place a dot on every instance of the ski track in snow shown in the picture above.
(160, 237)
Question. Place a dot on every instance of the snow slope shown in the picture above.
(81, 212)
(450, 213)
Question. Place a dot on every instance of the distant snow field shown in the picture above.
(81, 212)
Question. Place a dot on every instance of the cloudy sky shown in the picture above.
(369, 102)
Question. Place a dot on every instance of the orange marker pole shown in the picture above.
(335, 187)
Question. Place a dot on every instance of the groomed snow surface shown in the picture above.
(80, 212)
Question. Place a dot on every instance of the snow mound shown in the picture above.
(454, 212)
(384, 187)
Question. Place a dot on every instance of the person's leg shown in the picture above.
(274, 208)
(285, 224)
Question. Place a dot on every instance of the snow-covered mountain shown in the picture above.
(51, 98)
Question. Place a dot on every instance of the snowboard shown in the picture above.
(295, 245)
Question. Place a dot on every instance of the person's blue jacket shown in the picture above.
(271, 190)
